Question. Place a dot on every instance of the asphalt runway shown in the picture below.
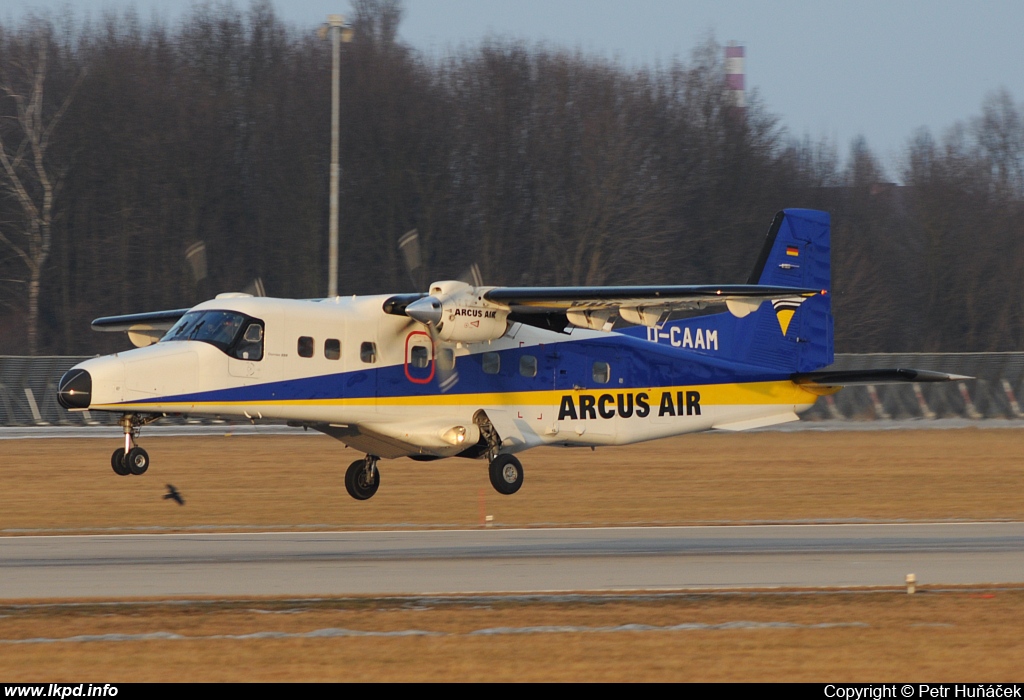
(508, 561)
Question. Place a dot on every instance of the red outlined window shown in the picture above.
(419, 358)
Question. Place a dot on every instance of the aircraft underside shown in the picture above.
(461, 425)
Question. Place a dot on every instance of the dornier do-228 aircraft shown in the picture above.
(487, 372)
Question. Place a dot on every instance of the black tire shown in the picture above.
(118, 464)
(138, 461)
(506, 474)
(356, 482)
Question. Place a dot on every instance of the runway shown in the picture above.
(502, 561)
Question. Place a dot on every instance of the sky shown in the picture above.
(836, 69)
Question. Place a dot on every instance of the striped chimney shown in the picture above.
(734, 75)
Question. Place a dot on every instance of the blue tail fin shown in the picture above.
(797, 251)
(790, 334)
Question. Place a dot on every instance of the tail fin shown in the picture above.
(796, 252)
(791, 334)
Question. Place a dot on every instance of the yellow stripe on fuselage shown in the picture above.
(750, 393)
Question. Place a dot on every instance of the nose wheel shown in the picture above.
(131, 459)
(118, 463)
(136, 462)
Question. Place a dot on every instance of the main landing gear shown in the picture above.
(363, 478)
(506, 474)
(131, 459)
(506, 471)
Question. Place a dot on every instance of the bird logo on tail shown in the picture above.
(784, 310)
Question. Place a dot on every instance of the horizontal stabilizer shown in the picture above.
(857, 377)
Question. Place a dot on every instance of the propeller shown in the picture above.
(195, 256)
(256, 288)
(427, 310)
(412, 254)
(409, 245)
(472, 276)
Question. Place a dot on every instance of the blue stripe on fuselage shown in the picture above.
(564, 365)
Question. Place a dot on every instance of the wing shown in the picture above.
(157, 320)
(143, 329)
(597, 307)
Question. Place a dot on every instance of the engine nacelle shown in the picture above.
(459, 313)
(472, 324)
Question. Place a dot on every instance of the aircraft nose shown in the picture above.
(75, 390)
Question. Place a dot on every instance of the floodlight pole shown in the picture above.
(339, 32)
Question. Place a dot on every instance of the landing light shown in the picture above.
(455, 436)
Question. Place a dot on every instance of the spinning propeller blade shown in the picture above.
(428, 311)
(256, 288)
(409, 245)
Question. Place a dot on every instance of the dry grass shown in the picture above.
(285, 481)
(929, 637)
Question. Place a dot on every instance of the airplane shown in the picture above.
(472, 371)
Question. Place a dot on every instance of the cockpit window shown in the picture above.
(236, 334)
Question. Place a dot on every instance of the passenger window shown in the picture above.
(368, 353)
(491, 362)
(305, 346)
(446, 359)
(332, 349)
(528, 366)
(418, 356)
(602, 372)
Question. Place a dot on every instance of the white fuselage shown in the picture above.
(372, 380)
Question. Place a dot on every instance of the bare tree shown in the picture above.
(27, 175)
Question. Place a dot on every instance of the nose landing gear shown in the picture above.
(131, 459)
(118, 463)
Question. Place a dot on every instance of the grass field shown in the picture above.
(297, 482)
(932, 636)
(63, 486)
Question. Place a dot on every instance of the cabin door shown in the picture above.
(419, 358)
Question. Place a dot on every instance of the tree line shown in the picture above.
(125, 144)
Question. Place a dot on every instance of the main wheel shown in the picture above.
(506, 474)
(138, 461)
(356, 482)
(118, 463)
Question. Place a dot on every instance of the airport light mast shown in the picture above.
(340, 32)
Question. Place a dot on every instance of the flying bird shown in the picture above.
(172, 493)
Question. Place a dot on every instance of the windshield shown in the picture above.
(218, 328)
